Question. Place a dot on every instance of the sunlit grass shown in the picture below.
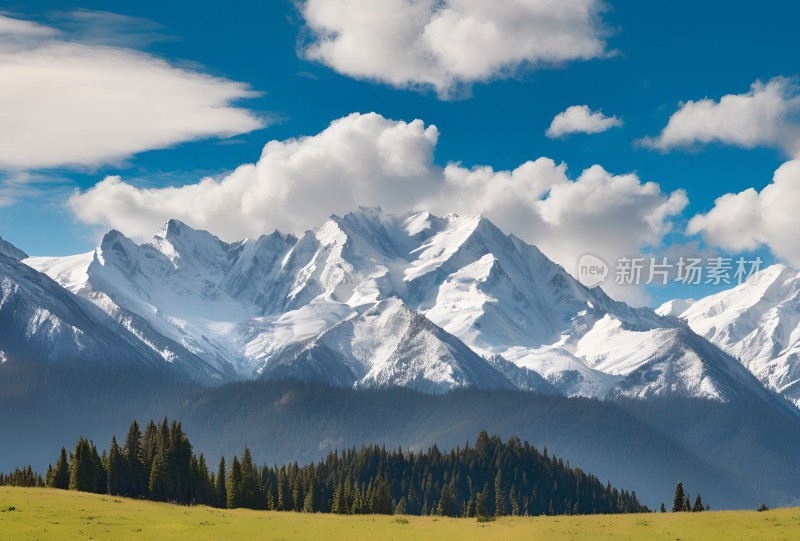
(33, 513)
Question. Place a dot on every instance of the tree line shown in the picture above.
(490, 478)
(682, 502)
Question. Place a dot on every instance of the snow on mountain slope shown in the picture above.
(388, 345)
(758, 322)
(41, 322)
(664, 361)
(675, 307)
(240, 306)
(9, 250)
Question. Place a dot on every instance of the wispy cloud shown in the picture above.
(66, 101)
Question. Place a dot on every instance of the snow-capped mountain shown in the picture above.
(375, 299)
(43, 323)
(758, 322)
(390, 345)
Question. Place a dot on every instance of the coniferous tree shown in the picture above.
(447, 504)
(678, 501)
(234, 485)
(60, 477)
(499, 495)
(221, 489)
(698, 505)
(284, 492)
(369, 480)
(116, 471)
(86, 470)
(157, 486)
(134, 457)
(309, 504)
(481, 502)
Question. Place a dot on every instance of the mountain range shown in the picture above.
(376, 300)
(757, 322)
(219, 333)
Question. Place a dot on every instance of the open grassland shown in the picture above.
(55, 514)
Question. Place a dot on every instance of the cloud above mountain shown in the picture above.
(66, 101)
(580, 119)
(448, 45)
(765, 116)
(367, 159)
(751, 219)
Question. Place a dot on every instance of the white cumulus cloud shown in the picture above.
(764, 116)
(580, 119)
(449, 44)
(750, 219)
(366, 159)
(72, 103)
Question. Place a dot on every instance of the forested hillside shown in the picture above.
(489, 478)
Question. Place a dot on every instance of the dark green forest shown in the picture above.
(489, 478)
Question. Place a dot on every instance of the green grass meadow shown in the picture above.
(37, 513)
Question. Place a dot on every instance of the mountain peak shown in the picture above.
(9, 250)
(173, 229)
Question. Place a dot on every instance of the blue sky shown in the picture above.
(657, 55)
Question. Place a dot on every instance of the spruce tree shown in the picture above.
(499, 495)
(220, 488)
(116, 474)
(60, 477)
(284, 492)
(698, 504)
(481, 502)
(309, 504)
(157, 485)
(133, 455)
(234, 486)
(678, 501)
(338, 505)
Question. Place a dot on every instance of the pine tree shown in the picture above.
(86, 470)
(157, 486)
(116, 474)
(137, 471)
(60, 477)
(687, 506)
(382, 498)
(284, 493)
(678, 501)
(447, 504)
(339, 505)
(401, 508)
(309, 504)
(234, 486)
(499, 495)
(297, 494)
(481, 502)
(698, 504)
(220, 488)
(663, 508)
(515, 509)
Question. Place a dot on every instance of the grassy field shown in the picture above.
(56, 514)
